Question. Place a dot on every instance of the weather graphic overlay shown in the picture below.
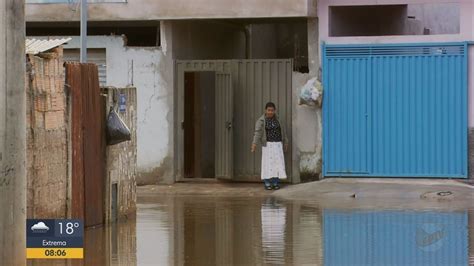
(54, 239)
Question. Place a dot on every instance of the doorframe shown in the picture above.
(226, 65)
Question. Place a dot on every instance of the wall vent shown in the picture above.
(392, 50)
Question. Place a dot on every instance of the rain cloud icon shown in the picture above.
(40, 227)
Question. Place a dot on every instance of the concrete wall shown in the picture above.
(47, 148)
(409, 19)
(465, 32)
(307, 127)
(193, 40)
(368, 21)
(122, 159)
(439, 18)
(12, 133)
(172, 9)
(150, 70)
(224, 39)
(307, 137)
(281, 39)
(264, 41)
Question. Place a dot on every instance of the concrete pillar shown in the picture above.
(168, 48)
(12, 133)
(313, 47)
(307, 120)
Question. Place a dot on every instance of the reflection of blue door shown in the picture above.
(395, 110)
(395, 238)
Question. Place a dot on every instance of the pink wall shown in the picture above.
(466, 32)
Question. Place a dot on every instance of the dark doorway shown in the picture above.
(199, 124)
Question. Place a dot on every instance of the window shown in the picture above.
(380, 20)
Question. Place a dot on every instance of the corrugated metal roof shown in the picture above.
(35, 46)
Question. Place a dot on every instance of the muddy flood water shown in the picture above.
(203, 230)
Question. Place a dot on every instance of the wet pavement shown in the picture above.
(259, 229)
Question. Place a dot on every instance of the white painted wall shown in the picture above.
(150, 71)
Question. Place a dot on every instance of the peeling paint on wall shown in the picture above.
(151, 72)
(161, 174)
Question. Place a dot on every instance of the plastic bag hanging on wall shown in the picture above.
(117, 130)
(311, 93)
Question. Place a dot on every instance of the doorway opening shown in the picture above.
(199, 124)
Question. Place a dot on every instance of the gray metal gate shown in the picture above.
(223, 126)
(254, 82)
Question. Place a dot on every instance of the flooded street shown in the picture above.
(205, 230)
(224, 231)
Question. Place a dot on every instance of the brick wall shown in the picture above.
(47, 152)
(122, 158)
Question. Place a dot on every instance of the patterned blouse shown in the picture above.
(273, 130)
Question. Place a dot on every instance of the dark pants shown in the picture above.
(274, 181)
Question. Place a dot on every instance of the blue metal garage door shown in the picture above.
(395, 110)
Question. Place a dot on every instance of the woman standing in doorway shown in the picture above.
(270, 133)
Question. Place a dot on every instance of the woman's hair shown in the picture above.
(270, 104)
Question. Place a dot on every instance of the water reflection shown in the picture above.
(395, 238)
(245, 231)
(155, 233)
(176, 230)
(273, 215)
